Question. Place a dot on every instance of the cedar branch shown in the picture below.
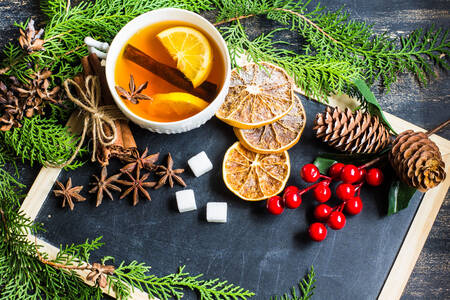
(285, 10)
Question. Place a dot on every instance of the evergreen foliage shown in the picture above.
(337, 52)
(43, 140)
(306, 287)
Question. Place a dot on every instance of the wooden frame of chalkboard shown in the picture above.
(400, 270)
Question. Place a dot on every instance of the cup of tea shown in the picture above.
(168, 70)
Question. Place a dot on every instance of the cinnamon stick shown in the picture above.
(206, 90)
(125, 144)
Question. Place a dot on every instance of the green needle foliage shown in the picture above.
(306, 287)
(330, 34)
(42, 140)
(337, 52)
(172, 285)
(316, 76)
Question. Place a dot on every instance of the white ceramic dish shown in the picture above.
(145, 20)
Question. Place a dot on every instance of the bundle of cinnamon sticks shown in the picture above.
(124, 147)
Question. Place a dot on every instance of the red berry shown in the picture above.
(321, 212)
(292, 200)
(374, 177)
(335, 170)
(350, 174)
(336, 220)
(354, 206)
(275, 205)
(322, 193)
(310, 173)
(290, 189)
(317, 232)
(345, 191)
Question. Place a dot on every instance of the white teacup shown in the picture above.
(157, 16)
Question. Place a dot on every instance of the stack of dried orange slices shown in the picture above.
(268, 119)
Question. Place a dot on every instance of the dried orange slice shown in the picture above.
(278, 136)
(252, 176)
(258, 95)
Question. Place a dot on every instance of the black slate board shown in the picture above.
(263, 253)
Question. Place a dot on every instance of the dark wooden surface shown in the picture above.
(424, 106)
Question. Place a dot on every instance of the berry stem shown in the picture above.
(327, 178)
(358, 186)
(301, 192)
(437, 128)
(373, 161)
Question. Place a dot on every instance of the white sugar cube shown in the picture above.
(216, 212)
(200, 164)
(185, 200)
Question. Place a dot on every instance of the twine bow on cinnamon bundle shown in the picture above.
(97, 119)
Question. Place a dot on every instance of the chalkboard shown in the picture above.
(263, 253)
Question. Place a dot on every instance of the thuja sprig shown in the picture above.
(126, 277)
(172, 285)
(42, 140)
(332, 34)
(316, 76)
(306, 287)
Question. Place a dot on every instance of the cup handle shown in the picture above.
(96, 47)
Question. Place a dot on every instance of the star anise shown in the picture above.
(134, 95)
(30, 40)
(98, 274)
(169, 174)
(137, 184)
(141, 161)
(103, 184)
(69, 192)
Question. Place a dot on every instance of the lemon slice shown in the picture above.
(191, 50)
(182, 104)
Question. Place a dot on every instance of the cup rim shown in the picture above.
(140, 22)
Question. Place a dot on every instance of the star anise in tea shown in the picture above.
(69, 193)
(103, 184)
(169, 174)
(141, 161)
(137, 185)
(98, 272)
(134, 95)
(30, 40)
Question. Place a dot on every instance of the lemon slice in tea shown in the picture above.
(278, 136)
(258, 95)
(252, 176)
(174, 106)
(191, 50)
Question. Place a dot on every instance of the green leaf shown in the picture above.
(323, 164)
(399, 196)
(373, 106)
(325, 160)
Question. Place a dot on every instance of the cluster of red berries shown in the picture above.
(352, 178)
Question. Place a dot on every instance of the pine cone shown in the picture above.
(30, 40)
(7, 121)
(37, 88)
(417, 160)
(10, 109)
(352, 133)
